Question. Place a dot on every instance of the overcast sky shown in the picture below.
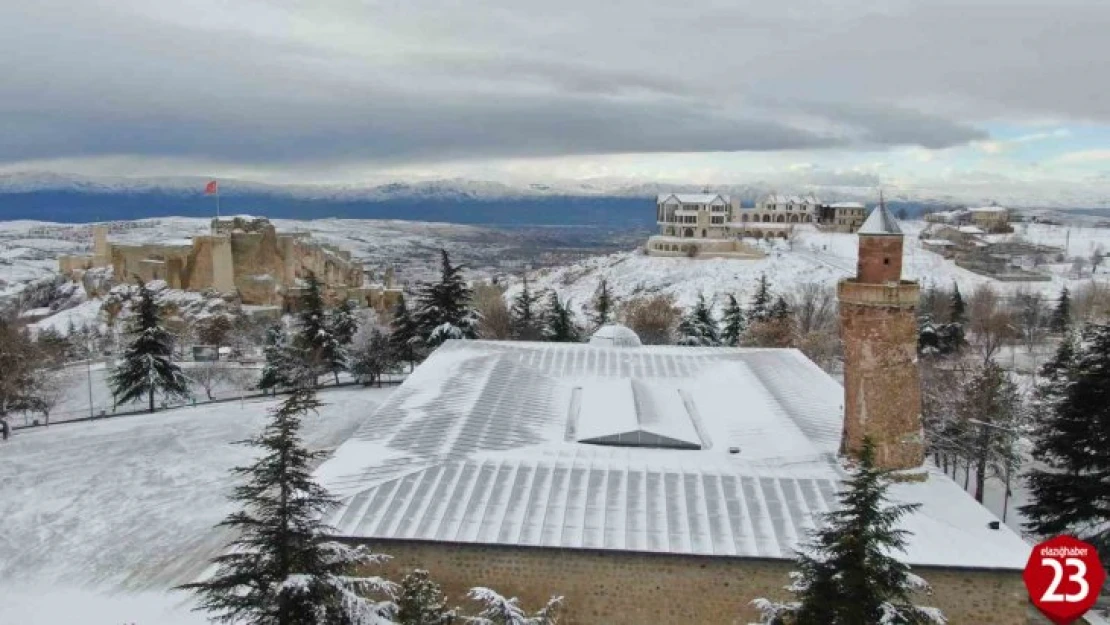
(853, 91)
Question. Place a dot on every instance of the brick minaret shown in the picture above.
(882, 388)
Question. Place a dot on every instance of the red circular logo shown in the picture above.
(1063, 577)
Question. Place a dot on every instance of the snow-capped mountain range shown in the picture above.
(1015, 195)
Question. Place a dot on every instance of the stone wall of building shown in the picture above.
(625, 588)
(882, 389)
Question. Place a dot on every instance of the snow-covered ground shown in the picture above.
(814, 256)
(101, 518)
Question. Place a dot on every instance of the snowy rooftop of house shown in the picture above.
(575, 446)
(987, 209)
(790, 199)
(847, 205)
(880, 221)
(692, 198)
(971, 230)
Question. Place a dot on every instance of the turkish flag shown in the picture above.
(211, 188)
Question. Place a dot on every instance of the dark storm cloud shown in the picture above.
(346, 81)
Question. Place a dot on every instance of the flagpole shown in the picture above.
(217, 202)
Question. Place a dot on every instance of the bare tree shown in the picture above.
(50, 389)
(209, 375)
(1031, 317)
(815, 324)
(1096, 258)
(991, 326)
(1077, 265)
(653, 318)
(814, 307)
(1091, 302)
(497, 321)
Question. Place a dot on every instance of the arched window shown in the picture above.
(744, 217)
(689, 232)
(781, 219)
(766, 219)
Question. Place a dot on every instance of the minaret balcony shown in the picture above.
(901, 294)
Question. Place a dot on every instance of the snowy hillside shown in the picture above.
(128, 504)
(814, 257)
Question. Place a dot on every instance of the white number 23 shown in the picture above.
(1051, 596)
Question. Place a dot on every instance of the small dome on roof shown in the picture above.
(615, 335)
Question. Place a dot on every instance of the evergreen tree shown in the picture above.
(525, 317)
(1070, 488)
(316, 338)
(278, 360)
(734, 323)
(559, 325)
(404, 336)
(444, 310)
(148, 365)
(602, 306)
(781, 310)
(18, 362)
(846, 573)
(498, 610)
(959, 308)
(760, 310)
(698, 326)
(343, 325)
(281, 569)
(420, 602)
(1061, 315)
(371, 356)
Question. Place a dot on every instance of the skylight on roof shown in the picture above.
(628, 413)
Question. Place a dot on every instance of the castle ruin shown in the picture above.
(245, 256)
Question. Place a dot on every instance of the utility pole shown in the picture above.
(88, 367)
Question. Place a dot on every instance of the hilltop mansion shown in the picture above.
(706, 224)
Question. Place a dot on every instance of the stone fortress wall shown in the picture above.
(242, 255)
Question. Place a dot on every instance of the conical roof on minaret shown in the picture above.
(880, 221)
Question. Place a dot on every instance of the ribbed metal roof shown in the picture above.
(479, 446)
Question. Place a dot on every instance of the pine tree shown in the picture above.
(444, 310)
(846, 573)
(760, 309)
(420, 602)
(343, 325)
(1071, 493)
(404, 336)
(278, 360)
(958, 313)
(734, 323)
(281, 569)
(371, 356)
(1061, 315)
(148, 365)
(698, 326)
(498, 610)
(315, 337)
(602, 306)
(559, 325)
(781, 310)
(525, 316)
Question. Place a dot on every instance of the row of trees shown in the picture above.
(283, 568)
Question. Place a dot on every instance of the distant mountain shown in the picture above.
(602, 202)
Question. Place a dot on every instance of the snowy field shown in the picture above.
(101, 518)
(814, 257)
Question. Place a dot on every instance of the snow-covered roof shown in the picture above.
(880, 221)
(987, 209)
(971, 230)
(847, 205)
(790, 199)
(511, 443)
(692, 198)
(615, 335)
(942, 242)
